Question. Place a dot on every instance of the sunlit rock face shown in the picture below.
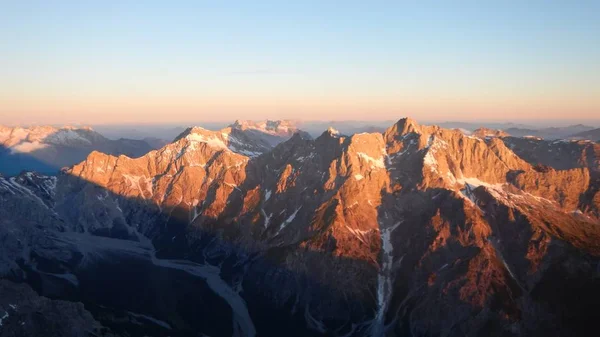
(418, 230)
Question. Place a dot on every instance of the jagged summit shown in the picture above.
(330, 133)
(405, 125)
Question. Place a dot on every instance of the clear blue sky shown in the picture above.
(105, 61)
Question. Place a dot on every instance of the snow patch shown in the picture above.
(434, 144)
(5, 316)
(211, 141)
(267, 217)
(66, 136)
(375, 162)
(333, 131)
(249, 153)
(133, 181)
(360, 234)
(289, 219)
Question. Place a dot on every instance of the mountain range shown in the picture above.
(261, 229)
(551, 132)
(46, 149)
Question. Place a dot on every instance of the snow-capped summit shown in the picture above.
(248, 138)
(28, 139)
(48, 148)
(333, 131)
(230, 139)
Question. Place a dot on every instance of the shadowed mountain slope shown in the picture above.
(417, 230)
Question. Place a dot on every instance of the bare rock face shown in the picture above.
(559, 154)
(416, 230)
(565, 187)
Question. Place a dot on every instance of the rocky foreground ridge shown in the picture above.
(416, 230)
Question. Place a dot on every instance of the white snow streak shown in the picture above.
(384, 280)
(289, 219)
(375, 162)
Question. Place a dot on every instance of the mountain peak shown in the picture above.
(407, 125)
(192, 130)
(272, 127)
(243, 137)
(333, 131)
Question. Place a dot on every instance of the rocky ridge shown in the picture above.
(442, 233)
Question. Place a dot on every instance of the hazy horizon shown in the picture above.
(538, 123)
(169, 130)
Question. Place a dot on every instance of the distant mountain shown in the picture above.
(550, 133)
(414, 231)
(560, 154)
(46, 149)
(472, 126)
(315, 128)
(156, 143)
(593, 134)
(485, 132)
(282, 128)
(143, 131)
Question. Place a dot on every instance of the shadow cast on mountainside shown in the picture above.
(122, 286)
(13, 163)
(438, 271)
(50, 158)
